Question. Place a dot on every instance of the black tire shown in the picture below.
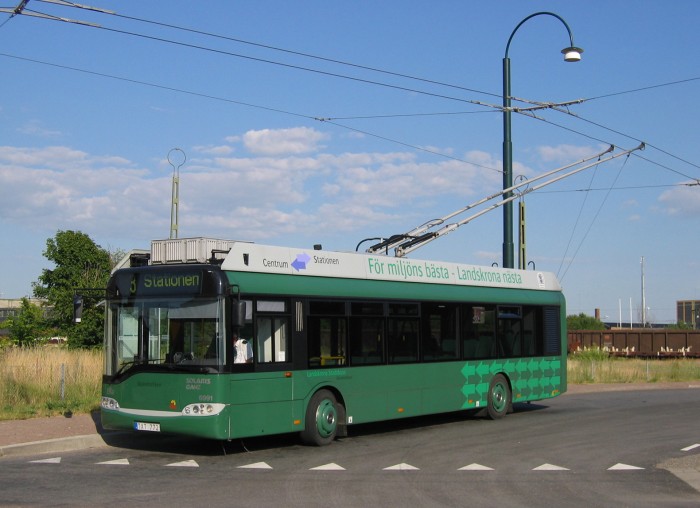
(321, 424)
(499, 397)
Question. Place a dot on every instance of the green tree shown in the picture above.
(681, 325)
(79, 264)
(583, 322)
(27, 325)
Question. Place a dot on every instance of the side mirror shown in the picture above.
(238, 313)
(77, 308)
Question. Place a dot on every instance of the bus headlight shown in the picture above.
(203, 409)
(109, 403)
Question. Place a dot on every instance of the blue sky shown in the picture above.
(88, 116)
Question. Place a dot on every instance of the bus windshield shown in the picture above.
(152, 333)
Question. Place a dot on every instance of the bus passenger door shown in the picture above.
(262, 400)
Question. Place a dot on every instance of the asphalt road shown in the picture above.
(637, 448)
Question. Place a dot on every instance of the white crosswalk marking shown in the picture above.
(117, 462)
(184, 463)
(256, 465)
(401, 467)
(54, 460)
(328, 467)
(623, 467)
(475, 467)
(550, 467)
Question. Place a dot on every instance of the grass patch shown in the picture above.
(596, 366)
(48, 381)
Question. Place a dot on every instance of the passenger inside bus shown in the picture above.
(242, 350)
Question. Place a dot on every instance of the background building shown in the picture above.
(11, 306)
(688, 311)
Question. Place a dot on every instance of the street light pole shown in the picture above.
(571, 54)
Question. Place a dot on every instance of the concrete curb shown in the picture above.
(61, 444)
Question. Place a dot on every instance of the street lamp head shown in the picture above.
(572, 54)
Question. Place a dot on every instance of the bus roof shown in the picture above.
(250, 257)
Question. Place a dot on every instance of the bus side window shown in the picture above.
(327, 334)
(367, 333)
(439, 337)
(272, 332)
(529, 331)
(403, 332)
(366, 340)
(478, 332)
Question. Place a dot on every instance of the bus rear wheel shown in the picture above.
(499, 397)
(321, 425)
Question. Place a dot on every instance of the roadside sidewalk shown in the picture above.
(53, 434)
(625, 387)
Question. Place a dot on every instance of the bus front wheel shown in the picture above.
(499, 398)
(321, 423)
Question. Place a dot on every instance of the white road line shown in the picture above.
(550, 467)
(116, 462)
(328, 467)
(184, 463)
(623, 467)
(256, 465)
(475, 467)
(54, 460)
(401, 467)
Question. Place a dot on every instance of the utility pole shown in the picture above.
(644, 298)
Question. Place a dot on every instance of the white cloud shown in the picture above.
(567, 153)
(296, 140)
(35, 128)
(249, 198)
(681, 201)
(214, 150)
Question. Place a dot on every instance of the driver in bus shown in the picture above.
(243, 350)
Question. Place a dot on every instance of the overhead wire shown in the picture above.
(156, 85)
(282, 64)
(593, 220)
(628, 187)
(423, 149)
(600, 140)
(247, 104)
(373, 82)
(307, 55)
(578, 218)
(333, 120)
(629, 137)
(408, 115)
(642, 89)
(14, 12)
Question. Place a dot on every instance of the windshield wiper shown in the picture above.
(140, 361)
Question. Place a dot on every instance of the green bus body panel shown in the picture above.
(272, 403)
(275, 402)
(160, 398)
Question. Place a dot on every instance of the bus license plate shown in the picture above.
(150, 427)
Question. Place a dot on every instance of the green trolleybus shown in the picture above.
(336, 339)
